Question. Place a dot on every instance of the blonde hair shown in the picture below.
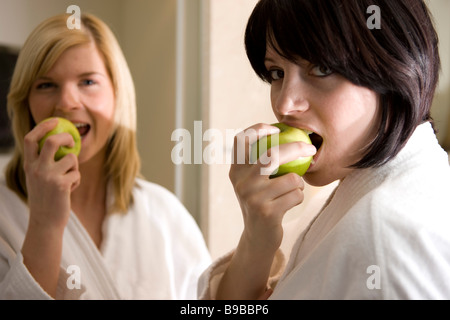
(39, 53)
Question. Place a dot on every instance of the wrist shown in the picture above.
(47, 221)
(248, 273)
(261, 246)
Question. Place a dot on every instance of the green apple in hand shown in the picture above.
(287, 134)
(63, 125)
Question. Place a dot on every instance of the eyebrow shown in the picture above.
(81, 75)
(269, 59)
(85, 74)
(300, 61)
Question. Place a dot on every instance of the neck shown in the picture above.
(93, 182)
(88, 201)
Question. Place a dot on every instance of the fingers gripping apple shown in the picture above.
(64, 125)
(287, 135)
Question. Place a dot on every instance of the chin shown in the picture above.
(318, 179)
(324, 177)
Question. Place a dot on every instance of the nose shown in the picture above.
(69, 98)
(291, 97)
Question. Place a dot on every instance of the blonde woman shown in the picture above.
(86, 227)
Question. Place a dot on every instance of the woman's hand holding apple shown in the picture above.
(49, 185)
(49, 182)
(263, 202)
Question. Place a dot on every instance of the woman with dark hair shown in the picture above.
(365, 94)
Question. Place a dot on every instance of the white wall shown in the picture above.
(19, 17)
(148, 40)
(441, 107)
(234, 99)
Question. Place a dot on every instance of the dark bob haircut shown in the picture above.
(400, 61)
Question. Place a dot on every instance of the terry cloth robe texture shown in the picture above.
(154, 251)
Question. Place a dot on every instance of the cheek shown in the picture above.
(40, 107)
(355, 108)
(103, 105)
(355, 122)
(272, 97)
(274, 101)
(365, 114)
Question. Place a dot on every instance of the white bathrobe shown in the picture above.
(154, 251)
(383, 234)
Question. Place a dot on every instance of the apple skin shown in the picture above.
(287, 135)
(63, 125)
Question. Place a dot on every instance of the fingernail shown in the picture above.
(309, 148)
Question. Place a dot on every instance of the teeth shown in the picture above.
(80, 125)
(308, 132)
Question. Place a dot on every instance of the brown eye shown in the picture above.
(321, 71)
(276, 74)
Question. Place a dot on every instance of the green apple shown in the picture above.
(287, 134)
(63, 125)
